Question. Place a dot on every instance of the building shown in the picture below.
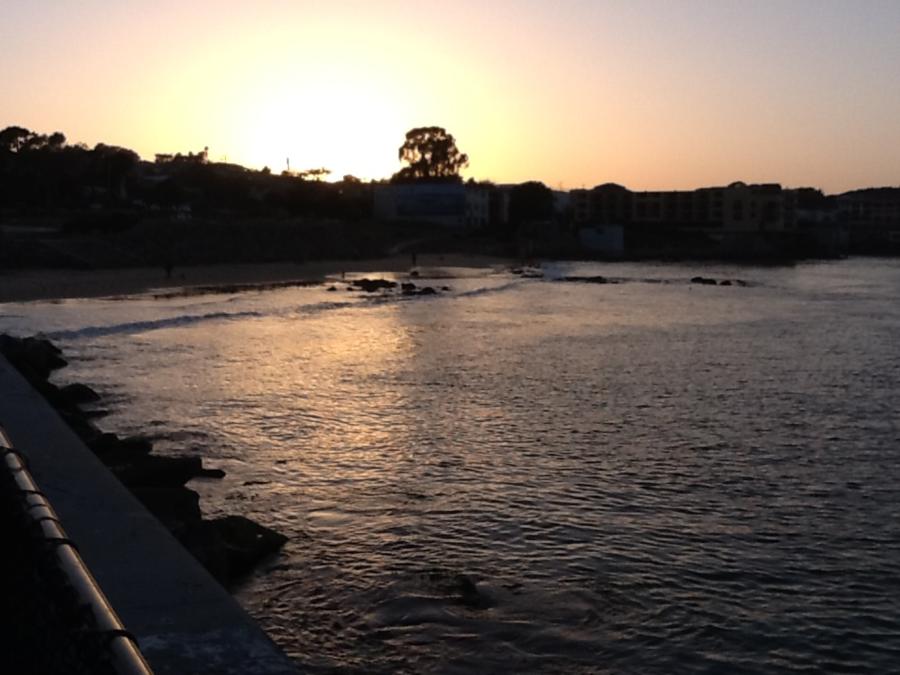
(478, 205)
(444, 204)
(872, 219)
(736, 208)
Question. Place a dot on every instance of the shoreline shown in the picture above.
(37, 285)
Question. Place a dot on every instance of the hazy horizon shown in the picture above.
(644, 93)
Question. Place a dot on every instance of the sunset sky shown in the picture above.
(653, 94)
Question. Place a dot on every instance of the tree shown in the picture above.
(432, 156)
(315, 174)
(19, 139)
(14, 139)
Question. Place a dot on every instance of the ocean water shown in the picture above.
(530, 475)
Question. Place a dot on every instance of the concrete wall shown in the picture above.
(185, 622)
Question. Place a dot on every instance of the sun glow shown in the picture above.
(343, 120)
(644, 93)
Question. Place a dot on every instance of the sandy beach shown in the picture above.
(53, 284)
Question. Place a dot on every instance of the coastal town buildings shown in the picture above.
(761, 220)
(739, 207)
(872, 218)
(446, 204)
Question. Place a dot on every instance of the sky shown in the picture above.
(651, 94)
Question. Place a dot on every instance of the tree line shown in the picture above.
(45, 172)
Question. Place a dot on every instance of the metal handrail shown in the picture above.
(124, 654)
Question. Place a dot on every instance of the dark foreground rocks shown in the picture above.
(228, 547)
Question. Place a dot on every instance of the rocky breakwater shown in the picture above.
(386, 286)
(228, 547)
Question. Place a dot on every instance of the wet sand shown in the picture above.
(52, 284)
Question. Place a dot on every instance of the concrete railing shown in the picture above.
(121, 650)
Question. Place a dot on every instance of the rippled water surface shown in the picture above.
(529, 475)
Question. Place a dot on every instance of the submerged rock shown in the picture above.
(373, 285)
(460, 588)
(410, 289)
(705, 281)
(588, 280)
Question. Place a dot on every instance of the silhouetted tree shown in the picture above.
(56, 140)
(14, 139)
(432, 155)
(315, 174)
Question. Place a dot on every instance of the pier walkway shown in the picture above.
(184, 621)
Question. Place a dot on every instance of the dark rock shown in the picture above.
(331, 289)
(211, 473)
(470, 596)
(414, 274)
(705, 281)
(726, 282)
(34, 354)
(78, 423)
(76, 394)
(428, 290)
(373, 285)
(153, 471)
(246, 543)
(111, 448)
(105, 444)
(407, 286)
(445, 288)
(202, 540)
(588, 280)
(174, 506)
(460, 588)
(135, 445)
